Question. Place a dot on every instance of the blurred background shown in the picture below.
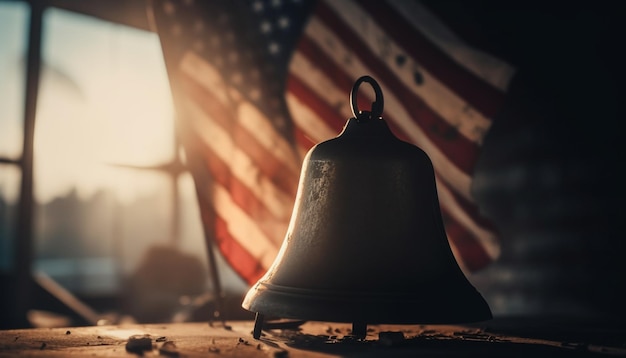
(100, 185)
(112, 202)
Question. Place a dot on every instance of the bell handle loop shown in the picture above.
(377, 105)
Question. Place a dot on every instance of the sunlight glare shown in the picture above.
(104, 100)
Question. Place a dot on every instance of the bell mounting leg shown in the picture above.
(359, 329)
(258, 325)
(378, 104)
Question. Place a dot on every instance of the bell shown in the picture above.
(366, 242)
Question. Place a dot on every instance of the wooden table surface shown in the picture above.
(317, 339)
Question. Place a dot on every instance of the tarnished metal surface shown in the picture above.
(366, 242)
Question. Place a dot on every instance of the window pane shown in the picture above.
(104, 100)
(90, 244)
(13, 35)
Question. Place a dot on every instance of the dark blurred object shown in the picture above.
(164, 275)
(549, 174)
(172, 286)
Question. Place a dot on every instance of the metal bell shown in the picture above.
(366, 242)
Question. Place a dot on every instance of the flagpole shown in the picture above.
(215, 279)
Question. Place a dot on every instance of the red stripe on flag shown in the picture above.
(237, 256)
(239, 193)
(318, 105)
(472, 252)
(480, 94)
(302, 139)
(459, 150)
(269, 165)
(240, 260)
(474, 213)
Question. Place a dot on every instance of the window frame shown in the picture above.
(131, 13)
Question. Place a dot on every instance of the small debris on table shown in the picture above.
(390, 338)
(138, 343)
(68, 332)
(161, 339)
(224, 325)
(169, 349)
(281, 354)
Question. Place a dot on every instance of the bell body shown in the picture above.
(366, 241)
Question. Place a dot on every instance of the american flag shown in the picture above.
(257, 83)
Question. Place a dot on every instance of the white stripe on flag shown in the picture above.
(240, 164)
(486, 238)
(308, 73)
(491, 69)
(308, 120)
(248, 116)
(205, 75)
(259, 126)
(449, 172)
(243, 228)
(453, 109)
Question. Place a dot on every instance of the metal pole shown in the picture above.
(215, 278)
(24, 244)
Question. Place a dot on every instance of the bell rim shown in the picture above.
(374, 308)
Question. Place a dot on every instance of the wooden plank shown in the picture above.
(190, 340)
(309, 340)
